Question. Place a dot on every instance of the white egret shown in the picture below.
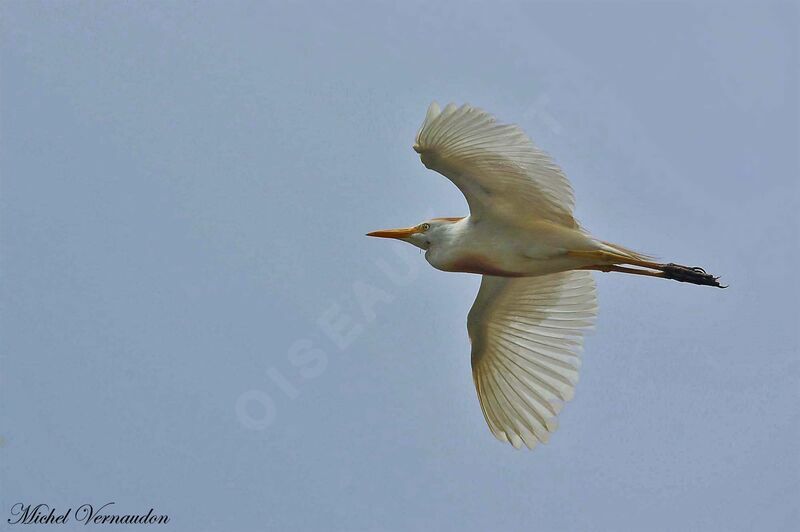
(537, 295)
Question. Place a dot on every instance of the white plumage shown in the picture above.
(497, 167)
(527, 335)
(537, 298)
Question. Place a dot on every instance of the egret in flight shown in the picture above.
(537, 296)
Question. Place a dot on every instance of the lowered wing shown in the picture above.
(527, 334)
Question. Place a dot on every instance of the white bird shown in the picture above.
(537, 296)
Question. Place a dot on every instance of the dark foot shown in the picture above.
(695, 275)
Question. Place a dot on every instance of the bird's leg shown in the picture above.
(687, 274)
(676, 272)
(613, 268)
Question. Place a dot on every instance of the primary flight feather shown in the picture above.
(537, 296)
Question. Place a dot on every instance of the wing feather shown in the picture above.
(527, 334)
(497, 167)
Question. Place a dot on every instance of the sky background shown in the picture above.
(192, 319)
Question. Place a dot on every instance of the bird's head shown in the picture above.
(422, 235)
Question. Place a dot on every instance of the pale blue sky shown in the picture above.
(185, 190)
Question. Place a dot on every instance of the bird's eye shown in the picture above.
(425, 227)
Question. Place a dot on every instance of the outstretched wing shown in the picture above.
(497, 167)
(527, 334)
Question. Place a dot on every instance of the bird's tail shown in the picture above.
(627, 253)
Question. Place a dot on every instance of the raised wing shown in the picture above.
(497, 167)
(527, 334)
